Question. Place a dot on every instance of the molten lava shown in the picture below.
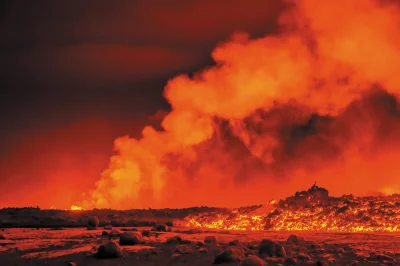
(311, 210)
(76, 208)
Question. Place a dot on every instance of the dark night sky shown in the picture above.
(76, 74)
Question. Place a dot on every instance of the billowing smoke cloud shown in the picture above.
(318, 101)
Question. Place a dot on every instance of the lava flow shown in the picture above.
(76, 208)
(311, 210)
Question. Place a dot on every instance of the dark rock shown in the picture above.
(146, 233)
(175, 256)
(129, 229)
(296, 240)
(342, 209)
(271, 249)
(2, 237)
(382, 257)
(93, 223)
(154, 252)
(360, 255)
(174, 240)
(252, 246)
(130, 239)
(290, 261)
(389, 262)
(199, 244)
(231, 254)
(210, 240)
(71, 263)
(303, 257)
(56, 228)
(340, 250)
(203, 250)
(234, 243)
(160, 228)
(114, 233)
(182, 249)
(104, 233)
(109, 250)
(253, 261)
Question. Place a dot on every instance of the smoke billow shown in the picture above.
(316, 101)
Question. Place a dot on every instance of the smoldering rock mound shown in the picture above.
(313, 210)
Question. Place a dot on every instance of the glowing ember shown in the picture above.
(312, 210)
(76, 208)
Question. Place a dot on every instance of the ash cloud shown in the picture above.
(302, 139)
(67, 62)
(273, 114)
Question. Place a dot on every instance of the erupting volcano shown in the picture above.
(316, 100)
(313, 99)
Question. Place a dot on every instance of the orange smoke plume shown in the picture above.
(316, 101)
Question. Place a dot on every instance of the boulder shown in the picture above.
(271, 249)
(130, 239)
(93, 223)
(253, 261)
(231, 254)
(210, 240)
(109, 250)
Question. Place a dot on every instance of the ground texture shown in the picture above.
(183, 246)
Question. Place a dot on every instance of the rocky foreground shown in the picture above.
(162, 245)
(309, 228)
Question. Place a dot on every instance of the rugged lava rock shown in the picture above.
(183, 249)
(311, 210)
(210, 240)
(130, 239)
(253, 261)
(290, 261)
(231, 254)
(93, 223)
(177, 240)
(271, 249)
(161, 228)
(296, 240)
(109, 250)
(146, 233)
(114, 233)
(108, 227)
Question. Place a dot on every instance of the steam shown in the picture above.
(318, 101)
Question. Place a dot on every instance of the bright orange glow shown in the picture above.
(315, 101)
(312, 213)
(76, 208)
